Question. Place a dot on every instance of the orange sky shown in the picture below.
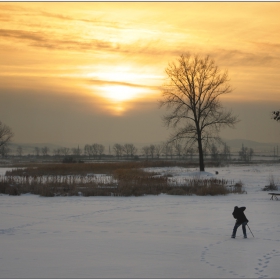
(89, 72)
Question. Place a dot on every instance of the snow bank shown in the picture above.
(143, 237)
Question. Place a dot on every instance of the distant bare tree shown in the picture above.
(37, 151)
(178, 147)
(192, 96)
(76, 151)
(214, 153)
(65, 151)
(170, 149)
(158, 149)
(276, 115)
(118, 150)
(152, 150)
(19, 151)
(100, 150)
(246, 153)
(190, 153)
(165, 150)
(146, 151)
(4, 150)
(95, 148)
(133, 150)
(226, 156)
(126, 149)
(57, 152)
(205, 152)
(45, 151)
(6, 135)
(88, 150)
(129, 149)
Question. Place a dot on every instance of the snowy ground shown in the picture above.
(144, 237)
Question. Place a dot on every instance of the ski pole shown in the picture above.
(250, 230)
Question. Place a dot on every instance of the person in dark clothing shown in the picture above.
(241, 219)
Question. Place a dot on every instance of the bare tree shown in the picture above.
(152, 150)
(100, 150)
(276, 115)
(118, 149)
(190, 152)
(192, 96)
(88, 150)
(76, 151)
(95, 148)
(45, 151)
(126, 149)
(65, 151)
(56, 152)
(170, 149)
(246, 153)
(6, 135)
(146, 151)
(4, 150)
(158, 149)
(37, 151)
(215, 154)
(19, 151)
(178, 148)
(226, 153)
(165, 150)
(133, 150)
(129, 149)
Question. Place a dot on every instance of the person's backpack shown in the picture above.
(234, 213)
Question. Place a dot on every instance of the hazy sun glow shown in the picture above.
(120, 93)
(120, 97)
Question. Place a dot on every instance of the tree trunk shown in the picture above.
(200, 151)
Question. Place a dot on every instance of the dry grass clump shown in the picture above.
(137, 182)
(272, 185)
(238, 188)
(86, 168)
(202, 187)
(124, 179)
(54, 185)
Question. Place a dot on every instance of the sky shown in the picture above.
(92, 72)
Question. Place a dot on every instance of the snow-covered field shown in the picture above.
(144, 237)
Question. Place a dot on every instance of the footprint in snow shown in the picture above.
(264, 262)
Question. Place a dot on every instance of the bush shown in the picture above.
(238, 188)
(272, 186)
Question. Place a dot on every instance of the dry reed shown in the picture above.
(122, 179)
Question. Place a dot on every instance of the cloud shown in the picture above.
(108, 82)
(21, 34)
(235, 57)
(11, 7)
(267, 46)
(95, 21)
(39, 39)
(52, 41)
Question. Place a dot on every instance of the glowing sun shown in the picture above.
(118, 97)
(120, 93)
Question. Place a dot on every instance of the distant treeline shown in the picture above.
(165, 150)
